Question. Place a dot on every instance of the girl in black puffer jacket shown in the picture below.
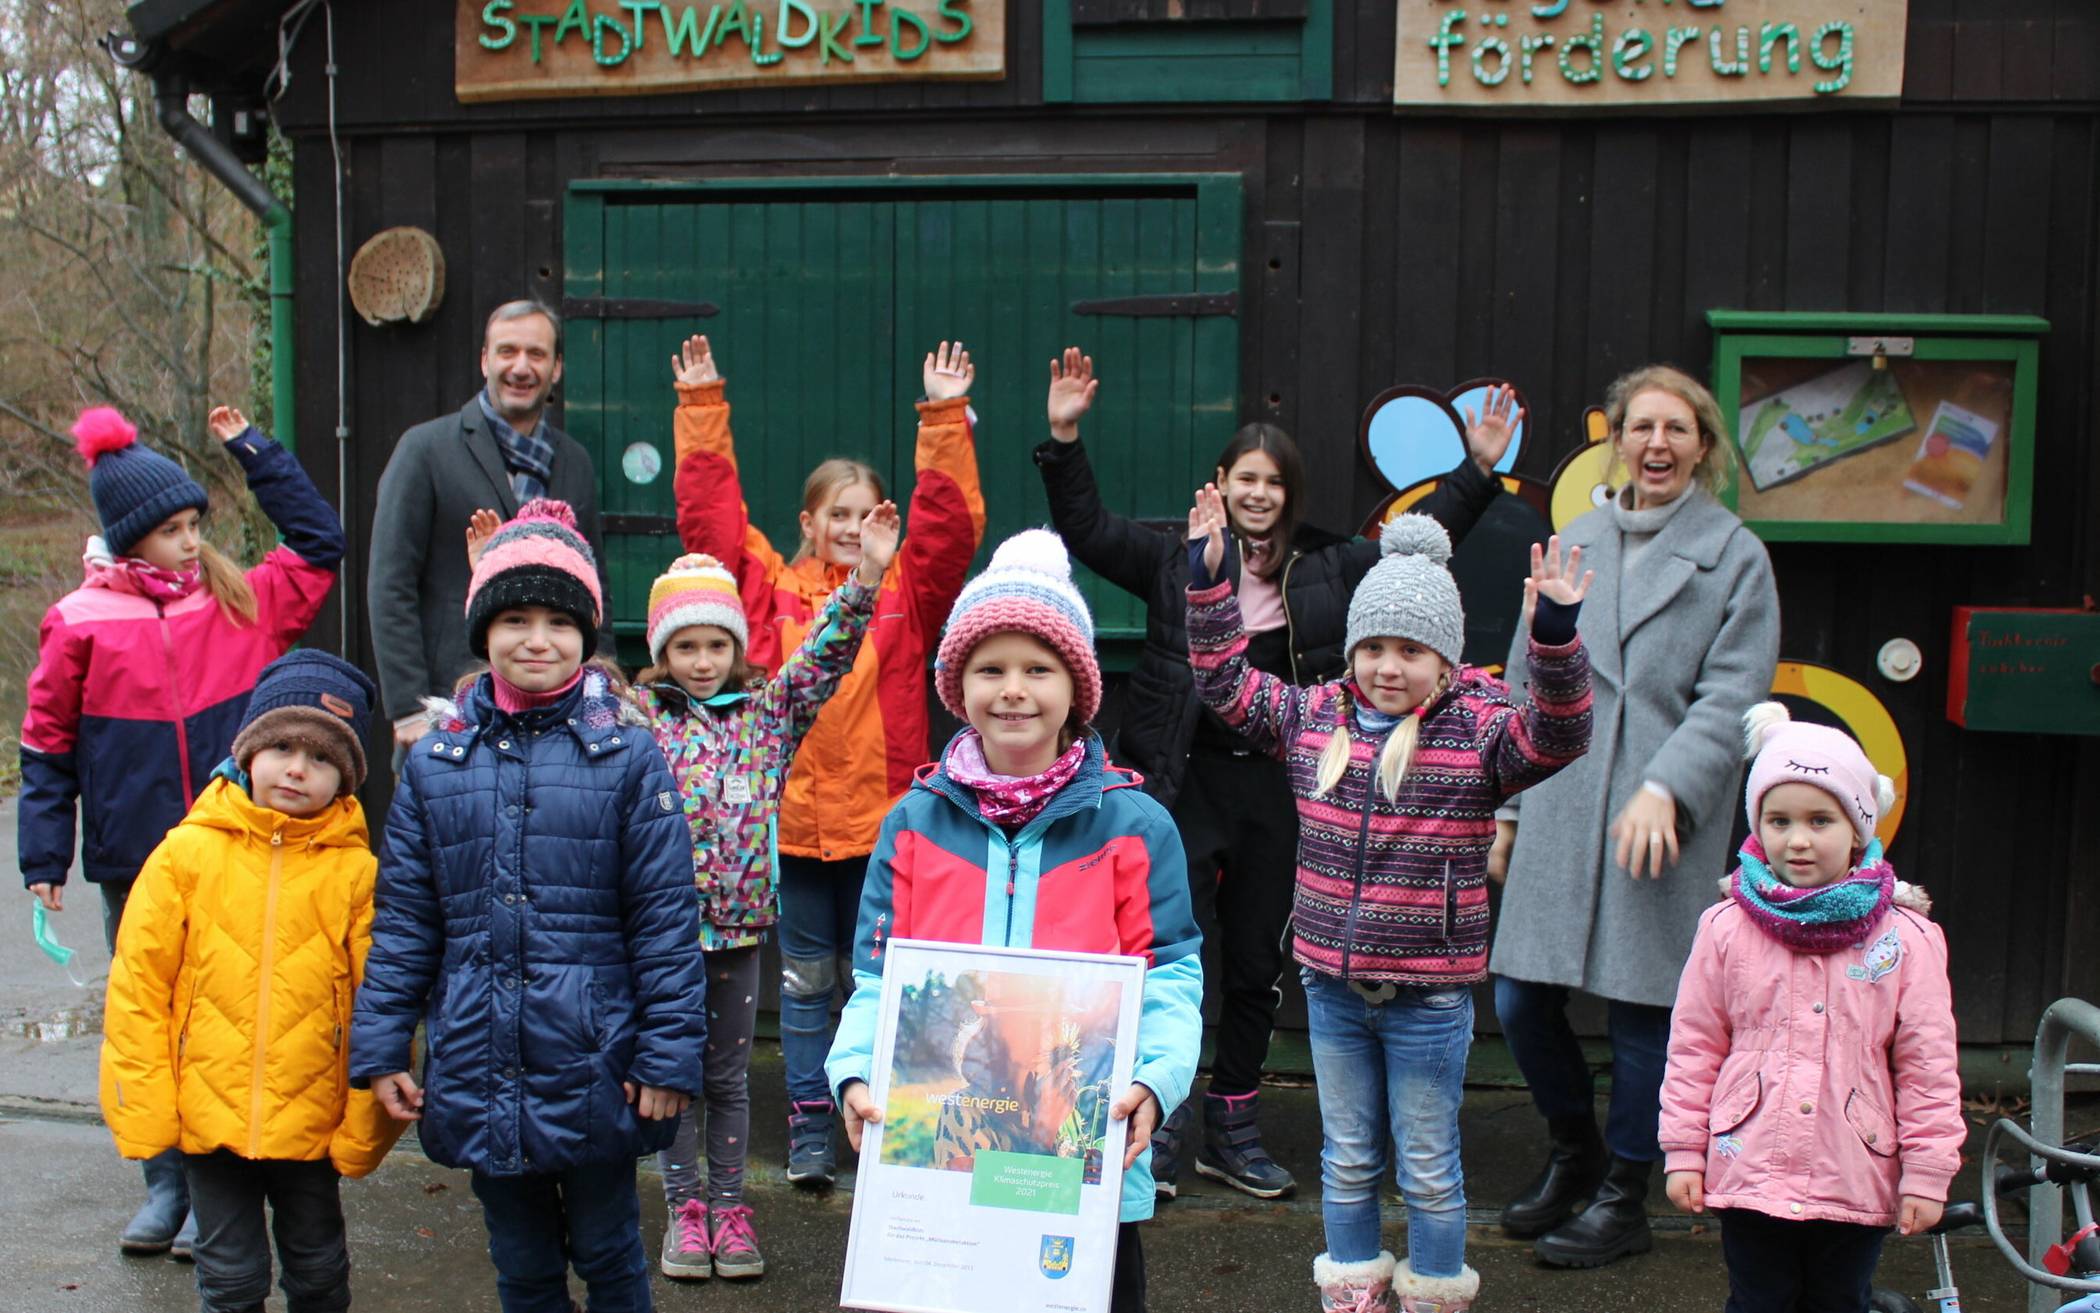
(1234, 809)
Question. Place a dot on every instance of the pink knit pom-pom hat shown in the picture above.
(1026, 589)
(537, 558)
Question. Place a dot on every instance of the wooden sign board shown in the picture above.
(1617, 54)
(539, 49)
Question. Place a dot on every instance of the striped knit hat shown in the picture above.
(696, 590)
(539, 558)
(1026, 589)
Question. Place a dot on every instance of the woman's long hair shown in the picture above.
(1280, 447)
(1717, 461)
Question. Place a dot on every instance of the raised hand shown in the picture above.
(880, 530)
(1207, 524)
(226, 423)
(1553, 577)
(948, 372)
(1488, 433)
(695, 362)
(481, 526)
(1072, 389)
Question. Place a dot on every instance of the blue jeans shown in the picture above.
(819, 910)
(587, 1217)
(1397, 1068)
(1535, 1023)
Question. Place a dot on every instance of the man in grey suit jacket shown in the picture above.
(496, 453)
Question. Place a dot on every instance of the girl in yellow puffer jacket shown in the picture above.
(227, 1024)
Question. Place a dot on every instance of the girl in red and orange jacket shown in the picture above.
(872, 735)
(143, 674)
(1813, 1095)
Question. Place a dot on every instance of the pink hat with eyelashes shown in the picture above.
(537, 558)
(1786, 751)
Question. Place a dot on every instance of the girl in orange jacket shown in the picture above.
(226, 1028)
(860, 755)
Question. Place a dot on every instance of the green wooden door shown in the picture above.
(822, 298)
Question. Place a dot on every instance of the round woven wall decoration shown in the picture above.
(397, 277)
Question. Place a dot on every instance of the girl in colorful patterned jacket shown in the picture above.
(1812, 1096)
(730, 742)
(142, 676)
(1397, 769)
(861, 753)
(1092, 864)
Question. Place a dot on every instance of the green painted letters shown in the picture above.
(829, 32)
(869, 34)
(795, 40)
(901, 18)
(492, 16)
(953, 9)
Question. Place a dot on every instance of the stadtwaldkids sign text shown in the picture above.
(1519, 54)
(522, 49)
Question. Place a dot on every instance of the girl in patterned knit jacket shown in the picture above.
(730, 742)
(1397, 769)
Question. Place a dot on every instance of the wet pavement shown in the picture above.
(417, 1243)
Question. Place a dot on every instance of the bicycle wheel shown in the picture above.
(1890, 1301)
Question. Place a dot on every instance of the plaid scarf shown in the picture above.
(528, 456)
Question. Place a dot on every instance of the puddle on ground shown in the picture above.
(71, 1023)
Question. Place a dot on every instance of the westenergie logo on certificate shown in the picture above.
(993, 1182)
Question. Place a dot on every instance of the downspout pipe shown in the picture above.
(171, 107)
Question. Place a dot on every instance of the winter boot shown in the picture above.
(1420, 1294)
(185, 1242)
(1169, 1142)
(687, 1254)
(152, 1229)
(1232, 1150)
(1365, 1287)
(1613, 1224)
(813, 1158)
(736, 1245)
(1574, 1166)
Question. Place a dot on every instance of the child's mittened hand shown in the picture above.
(858, 1109)
(481, 526)
(1141, 1106)
(880, 531)
(654, 1103)
(948, 372)
(400, 1096)
(226, 423)
(1687, 1190)
(695, 362)
(1914, 1214)
(1072, 389)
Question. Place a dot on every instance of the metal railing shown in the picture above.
(2044, 1148)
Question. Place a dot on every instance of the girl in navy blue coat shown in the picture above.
(536, 909)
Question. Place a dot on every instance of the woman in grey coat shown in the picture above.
(1611, 862)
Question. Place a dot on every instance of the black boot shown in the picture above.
(1232, 1150)
(1169, 1143)
(1614, 1224)
(1574, 1166)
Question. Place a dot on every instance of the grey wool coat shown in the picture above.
(1679, 649)
(441, 472)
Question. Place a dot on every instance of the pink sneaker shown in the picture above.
(736, 1248)
(688, 1255)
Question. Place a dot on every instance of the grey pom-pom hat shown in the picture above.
(1410, 593)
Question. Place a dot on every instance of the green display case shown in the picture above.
(1880, 428)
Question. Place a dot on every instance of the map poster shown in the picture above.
(1829, 417)
(993, 1183)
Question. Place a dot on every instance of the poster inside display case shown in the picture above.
(1873, 427)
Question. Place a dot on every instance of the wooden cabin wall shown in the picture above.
(1380, 248)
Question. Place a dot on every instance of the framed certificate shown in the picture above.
(993, 1182)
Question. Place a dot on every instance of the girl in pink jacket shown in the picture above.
(1811, 1096)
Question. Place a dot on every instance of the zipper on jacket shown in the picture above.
(1013, 877)
(1290, 624)
(182, 729)
(1450, 897)
(262, 996)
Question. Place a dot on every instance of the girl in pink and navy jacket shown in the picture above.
(1812, 1096)
(730, 742)
(143, 675)
(1397, 770)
